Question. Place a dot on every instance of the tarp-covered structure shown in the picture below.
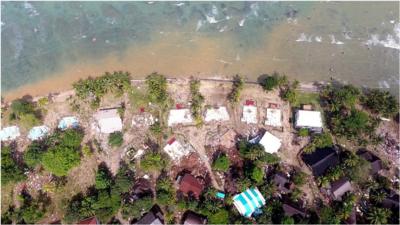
(249, 114)
(179, 116)
(108, 121)
(9, 133)
(68, 122)
(38, 132)
(216, 114)
(308, 119)
(248, 201)
(270, 142)
(274, 117)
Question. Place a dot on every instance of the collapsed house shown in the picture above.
(144, 119)
(179, 116)
(9, 133)
(108, 121)
(375, 161)
(190, 186)
(176, 150)
(309, 119)
(249, 114)
(392, 200)
(282, 183)
(68, 122)
(273, 117)
(339, 187)
(152, 217)
(216, 114)
(192, 218)
(270, 143)
(38, 132)
(248, 202)
(320, 160)
(292, 210)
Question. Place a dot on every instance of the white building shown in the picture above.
(179, 116)
(308, 119)
(216, 114)
(108, 121)
(38, 132)
(273, 118)
(270, 142)
(249, 114)
(176, 150)
(9, 133)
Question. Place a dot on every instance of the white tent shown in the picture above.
(217, 114)
(38, 132)
(310, 119)
(108, 121)
(179, 116)
(249, 114)
(270, 142)
(9, 133)
(274, 117)
(176, 150)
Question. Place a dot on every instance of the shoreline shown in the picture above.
(63, 94)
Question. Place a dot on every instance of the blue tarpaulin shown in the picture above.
(68, 122)
(38, 132)
(220, 195)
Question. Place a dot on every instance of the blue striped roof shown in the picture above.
(248, 201)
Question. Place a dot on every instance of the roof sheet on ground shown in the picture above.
(306, 118)
(270, 142)
(68, 122)
(109, 121)
(274, 117)
(179, 116)
(176, 150)
(38, 132)
(9, 133)
(249, 114)
(217, 114)
(248, 201)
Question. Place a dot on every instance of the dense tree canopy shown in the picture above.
(221, 163)
(381, 102)
(10, 170)
(157, 89)
(237, 87)
(153, 161)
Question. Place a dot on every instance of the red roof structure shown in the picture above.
(250, 102)
(179, 106)
(190, 185)
(142, 109)
(172, 140)
(91, 220)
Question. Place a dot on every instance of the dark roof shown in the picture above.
(193, 218)
(154, 216)
(190, 185)
(292, 209)
(352, 219)
(282, 182)
(376, 163)
(340, 187)
(91, 220)
(320, 160)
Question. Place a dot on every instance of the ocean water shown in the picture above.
(354, 42)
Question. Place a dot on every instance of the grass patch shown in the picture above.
(138, 98)
(7, 196)
(307, 98)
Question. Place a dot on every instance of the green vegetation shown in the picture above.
(304, 98)
(33, 154)
(153, 161)
(299, 178)
(165, 192)
(219, 217)
(237, 87)
(32, 210)
(381, 102)
(378, 215)
(23, 111)
(103, 178)
(257, 174)
(116, 139)
(156, 128)
(92, 90)
(157, 89)
(319, 141)
(137, 208)
(221, 163)
(273, 81)
(10, 170)
(197, 101)
(303, 132)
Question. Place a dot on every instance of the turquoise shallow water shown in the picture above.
(354, 42)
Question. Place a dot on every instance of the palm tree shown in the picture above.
(378, 196)
(378, 215)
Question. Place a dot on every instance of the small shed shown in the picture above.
(179, 116)
(38, 132)
(309, 119)
(270, 142)
(9, 133)
(108, 121)
(340, 187)
(274, 117)
(68, 122)
(175, 149)
(249, 114)
(248, 201)
(216, 114)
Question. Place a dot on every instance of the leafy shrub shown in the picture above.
(237, 87)
(381, 102)
(156, 128)
(165, 192)
(197, 100)
(303, 132)
(10, 171)
(29, 120)
(157, 89)
(152, 162)
(103, 178)
(271, 82)
(136, 208)
(221, 163)
(115, 139)
(33, 154)
(322, 140)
